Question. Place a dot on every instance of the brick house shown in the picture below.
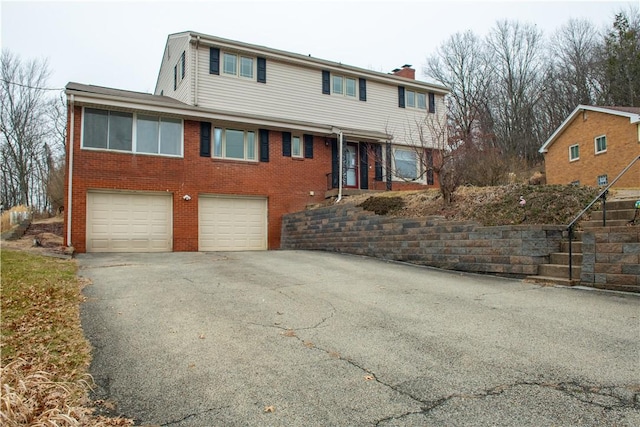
(235, 136)
(593, 145)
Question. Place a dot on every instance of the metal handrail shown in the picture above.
(603, 196)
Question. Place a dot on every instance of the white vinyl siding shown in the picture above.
(171, 58)
(289, 86)
(129, 222)
(228, 223)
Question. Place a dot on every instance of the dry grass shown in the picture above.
(545, 204)
(45, 356)
(6, 216)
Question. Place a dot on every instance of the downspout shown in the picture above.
(70, 186)
(340, 166)
(195, 73)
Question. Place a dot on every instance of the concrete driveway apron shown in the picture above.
(293, 338)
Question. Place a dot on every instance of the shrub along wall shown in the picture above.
(433, 241)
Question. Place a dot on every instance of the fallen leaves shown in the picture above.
(369, 377)
(289, 333)
(269, 409)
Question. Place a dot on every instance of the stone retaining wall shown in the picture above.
(463, 246)
(611, 258)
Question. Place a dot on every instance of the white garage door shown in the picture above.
(129, 222)
(232, 223)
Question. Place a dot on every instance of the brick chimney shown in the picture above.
(406, 71)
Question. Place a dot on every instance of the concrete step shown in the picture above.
(620, 204)
(588, 225)
(562, 258)
(548, 280)
(576, 247)
(559, 271)
(614, 214)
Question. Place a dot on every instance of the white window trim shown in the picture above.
(421, 179)
(300, 155)
(224, 145)
(415, 100)
(238, 73)
(595, 144)
(134, 136)
(344, 86)
(572, 159)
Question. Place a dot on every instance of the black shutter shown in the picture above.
(378, 161)
(262, 70)
(214, 60)
(286, 144)
(363, 89)
(205, 139)
(364, 166)
(388, 153)
(264, 145)
(175, 77)
(308, 146)
(182, 65)
(326, 82)
(432, 102)
(334, 163)
(401, 96)
(430, 167)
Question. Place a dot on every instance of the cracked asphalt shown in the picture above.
(294, 338)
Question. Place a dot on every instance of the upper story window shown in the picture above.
(344, 85)
(183, 65)
(236, 65)
(574, 152)
(601, 144)
(234, 144)
(414, 99)
(131, 132)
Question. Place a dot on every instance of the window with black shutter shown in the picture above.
(205, 139)
(262, 70)
(264, 145)
(308, 146)
(286, 144)
(214, 60)
(326, 82)
(401, 96)
(334, 164)
(363, 89)
(175, 77)
(364, 166)
(183, 65)
(432, 102)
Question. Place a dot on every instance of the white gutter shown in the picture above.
(70, 160)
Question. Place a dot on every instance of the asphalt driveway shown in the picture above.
(293, 338)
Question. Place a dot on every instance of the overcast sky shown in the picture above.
(119, 44)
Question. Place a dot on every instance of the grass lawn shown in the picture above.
(45, 356)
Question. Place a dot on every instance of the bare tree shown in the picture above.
(25, 131)
(517, 86)
(461, 64)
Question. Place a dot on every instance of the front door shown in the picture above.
(350, 165)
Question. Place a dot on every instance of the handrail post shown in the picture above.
(570, 254)
(604, 208)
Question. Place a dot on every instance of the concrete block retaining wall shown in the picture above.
(433, 241)
(611, 258)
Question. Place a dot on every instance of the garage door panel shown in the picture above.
(129, 222)
(232, 223)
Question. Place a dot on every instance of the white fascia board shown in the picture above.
(196, 113)
(320, 64)
(548, 142)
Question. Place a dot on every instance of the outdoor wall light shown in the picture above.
(186, 197)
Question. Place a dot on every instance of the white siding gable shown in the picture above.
(171, 58)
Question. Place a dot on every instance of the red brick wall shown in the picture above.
(622, 147)
(285, 181)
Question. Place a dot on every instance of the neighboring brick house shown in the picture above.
(593, 145)
(235, 136)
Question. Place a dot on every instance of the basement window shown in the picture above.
(603, 180)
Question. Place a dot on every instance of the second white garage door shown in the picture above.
(232, 223)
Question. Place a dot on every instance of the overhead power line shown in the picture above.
(30, 87)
